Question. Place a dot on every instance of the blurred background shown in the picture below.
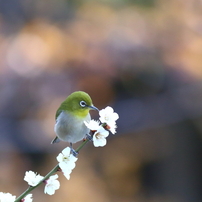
(142, 57)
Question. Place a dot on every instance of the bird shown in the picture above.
(70, 117)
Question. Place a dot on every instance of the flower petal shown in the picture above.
(28, 198)
(7, 197)
(32, 178)
(92, 124)
(99, 142)
(66, 151)
(52, 184)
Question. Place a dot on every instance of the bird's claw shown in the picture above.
(74, 152)
(89, 137)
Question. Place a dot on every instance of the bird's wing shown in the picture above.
(57, 113)
(63, 107)
(56, 139)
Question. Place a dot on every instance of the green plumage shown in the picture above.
(72, 104)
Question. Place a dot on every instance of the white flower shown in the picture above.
(66, 160)
(67, 173)
(32, 178)
(112, 127)
(99, 137)
(108, 115)
(100, 134)
(92, 124)
(52, 184)
(6, 197)
(27, 198)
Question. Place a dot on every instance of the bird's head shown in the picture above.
(78, 104)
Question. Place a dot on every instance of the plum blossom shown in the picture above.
(66, 161)
(100, 134)
(99, 137)
(32, 178)
(109, 117)
(6, 197)
(52, 184)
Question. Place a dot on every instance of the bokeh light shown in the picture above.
(142, 57)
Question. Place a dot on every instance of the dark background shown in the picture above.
(142, 57)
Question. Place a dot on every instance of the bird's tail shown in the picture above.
(55, 140)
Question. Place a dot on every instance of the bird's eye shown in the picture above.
(83, 104)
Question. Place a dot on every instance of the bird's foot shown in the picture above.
(88, 137)
(74, 152)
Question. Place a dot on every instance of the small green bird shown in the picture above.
(70, 117)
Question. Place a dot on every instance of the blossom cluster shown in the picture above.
(100, 131)
(51, 184)
(108, 121)
(7, 197)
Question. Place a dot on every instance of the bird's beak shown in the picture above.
(93, 107)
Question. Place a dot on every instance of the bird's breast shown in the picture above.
(70, 128)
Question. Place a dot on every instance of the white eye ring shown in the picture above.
(83, 104)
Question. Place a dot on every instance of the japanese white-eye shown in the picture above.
(70, 117)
